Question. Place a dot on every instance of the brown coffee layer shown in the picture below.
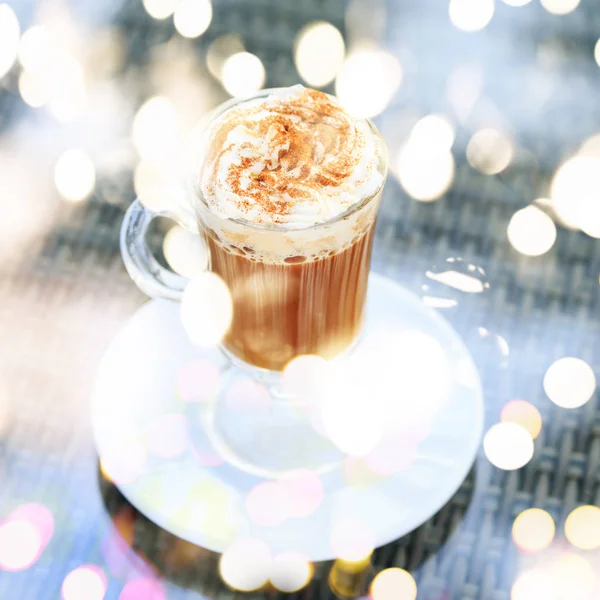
(301, 307)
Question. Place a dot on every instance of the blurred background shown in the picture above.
(491, 213)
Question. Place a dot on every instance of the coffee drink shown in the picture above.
(289, 188)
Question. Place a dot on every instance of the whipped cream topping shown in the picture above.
(293, 159)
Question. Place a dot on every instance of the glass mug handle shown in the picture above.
(151, 277)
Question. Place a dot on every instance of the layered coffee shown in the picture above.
(290, 185)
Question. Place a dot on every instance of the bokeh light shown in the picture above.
(569, 382)
(425, 164)
(305, 376)
(352, 424)
(597, 53)
(206, 309)
(33, 89)
(560, 7)
(167, 436)
(74, 175)
(68, 93)
(572, 577)
(160, 9)
(574, 193)
(393, 584)
(532, 585)
(352, 540)
(471, 15)
(591, 147)
(124, 461)
(290, 572)
(489, 151)
(54, 70)
(198, 381)
(524, 414)
(246, 565)
(267, 504)
(304, 492)
(220, 50)
(155, 128)
(87, 582)
(155, 184)
(508, 446)
(582, 527)
(9, 38)
(37, 515)
(425, 172)
(415, 366)
(435, 131)
(533, 530)
(319, 53)
(143, 589)
(347, 579)
(36, 49)
(192, 17)
(243, 74)
(185, 252)
(20, 545)
(368, 81)
(531, 231)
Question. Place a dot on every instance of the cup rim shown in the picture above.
(232, 102)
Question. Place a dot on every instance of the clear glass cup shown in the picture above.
(294, 291)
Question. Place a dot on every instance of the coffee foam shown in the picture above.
(289, 163)
(271, 245)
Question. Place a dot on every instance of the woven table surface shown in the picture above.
(64, 292)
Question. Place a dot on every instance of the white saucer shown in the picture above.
(151, 396)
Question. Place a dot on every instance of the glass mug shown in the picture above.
(294, 291)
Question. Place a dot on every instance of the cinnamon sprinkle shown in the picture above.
(313, 142)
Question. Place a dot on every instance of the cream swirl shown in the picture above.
(294, 158)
